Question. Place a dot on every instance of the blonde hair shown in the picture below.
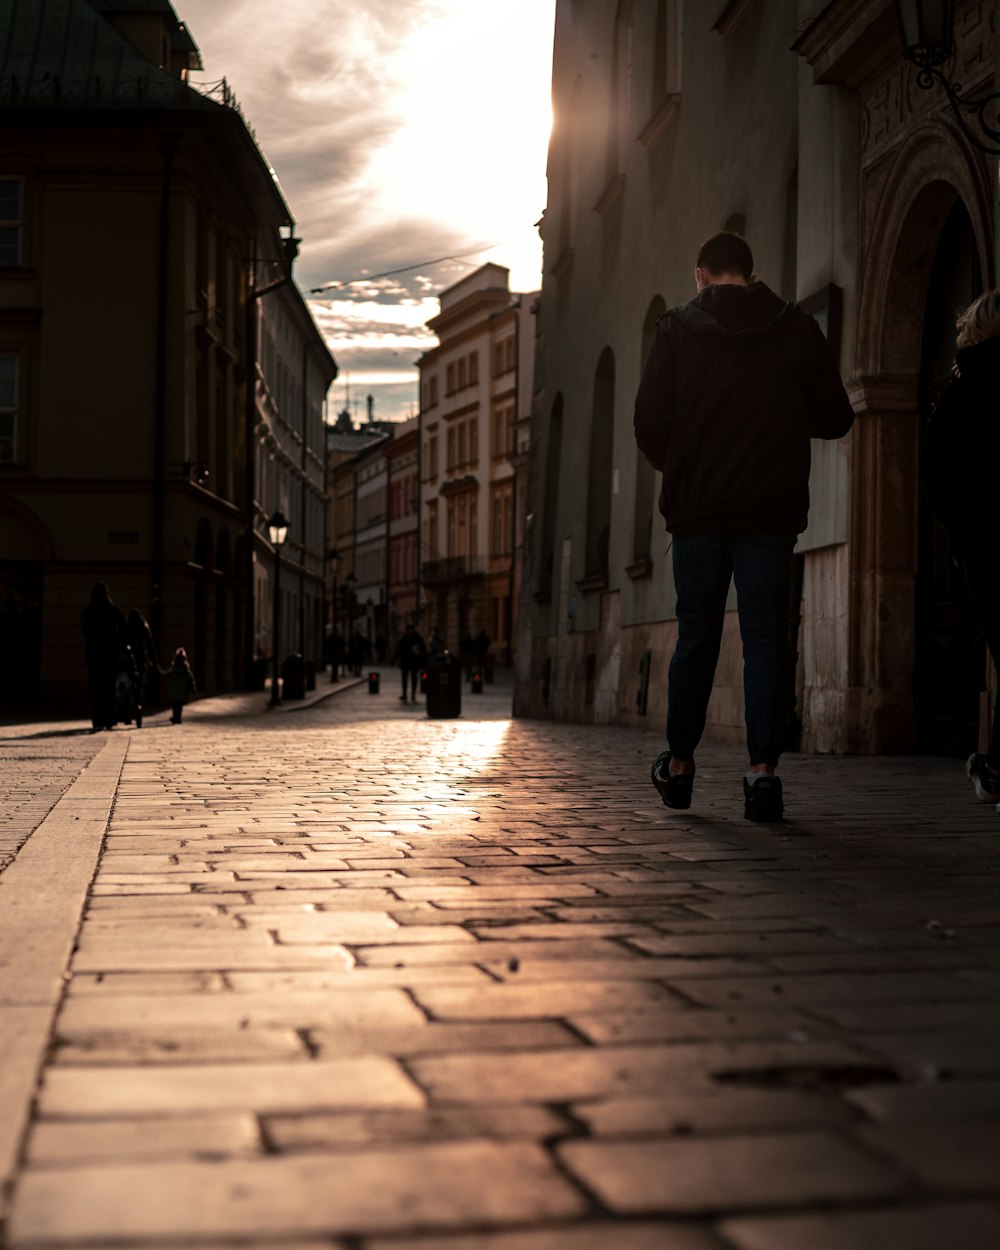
(980, 321)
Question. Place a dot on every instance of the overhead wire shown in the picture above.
(389, 273)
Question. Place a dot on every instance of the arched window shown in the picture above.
(645, 474)
(602, 429)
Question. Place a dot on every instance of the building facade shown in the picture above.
(801, 126)
(139, 222)
(474, 392)
(404, 528)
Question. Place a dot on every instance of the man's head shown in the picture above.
(724, 259)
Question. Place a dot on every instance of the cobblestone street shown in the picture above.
(346, 977)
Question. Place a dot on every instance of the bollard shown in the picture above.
(477, 683)
(373, 683)
(423, 682)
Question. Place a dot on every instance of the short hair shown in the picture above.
(726, 252)
(980, 321)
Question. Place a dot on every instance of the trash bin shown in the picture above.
(373, 683)
(444, 686)
(293, 677)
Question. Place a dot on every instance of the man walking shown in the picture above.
(411, 655)
(735, 385)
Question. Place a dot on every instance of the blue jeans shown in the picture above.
(704, 565)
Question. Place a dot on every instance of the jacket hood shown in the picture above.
(739, 313)
(982, 357)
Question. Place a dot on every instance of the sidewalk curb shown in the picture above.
(44, 893)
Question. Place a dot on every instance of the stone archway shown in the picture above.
(905, 207)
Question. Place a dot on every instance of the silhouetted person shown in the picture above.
(960, 456)
(140, 639)
(359, 652)
(481, 646)
(181, 686)
(467, 653)
(104, 634)
(411, 656)
(736, 383)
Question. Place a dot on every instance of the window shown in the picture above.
(450, 460)
(8, 407)
(502, 417)
(432, 457)
(473, 368)
(434, 391)
(10, 223)
(461, 374)
(497, 360)
(461, 444)
(474, 440)
(449, 380)
(502, 521)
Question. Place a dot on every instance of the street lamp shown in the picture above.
(277, 529)
(334, 558)
(927, 30)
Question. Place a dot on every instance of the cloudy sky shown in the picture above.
(401, 131)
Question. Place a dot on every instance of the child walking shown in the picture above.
(180, 684)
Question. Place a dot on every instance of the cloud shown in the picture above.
(401, 131)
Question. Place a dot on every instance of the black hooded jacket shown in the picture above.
(735, 385)
(961, 450)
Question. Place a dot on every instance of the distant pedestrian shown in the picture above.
(104, 635)
(438, 646)
(960, 458)
(467, 654)
(482, 649)
(411, 656)
(140, 638)
(736, 383)
(181, 686)
(359, 651)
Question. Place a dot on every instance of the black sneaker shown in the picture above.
(987, 784)
(674, 790)
(762, 798)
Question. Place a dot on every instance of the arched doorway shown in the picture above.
(950, 650)
(929, 212)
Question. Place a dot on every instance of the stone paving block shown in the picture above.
(611, 1071)
(433, 1038)
(821, 991)
(952, 1099)
(538, 999)
(455, 952)
(208, 956)
(434, 1185)
(85, 1142)
(145, 983)
(664, 1024)
(680, 1112)
(357, 979)
(362, 1081)
(293, 1009)
(594, 1235)
(699, 1175)
(913, 1017)
(345, 1131)
(950, 1156)
(959, 1226)
(182, 1044)
(949, 1054)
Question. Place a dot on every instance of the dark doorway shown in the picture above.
(951, 653)
(21, 633)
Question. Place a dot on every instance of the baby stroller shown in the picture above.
(128, 705)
